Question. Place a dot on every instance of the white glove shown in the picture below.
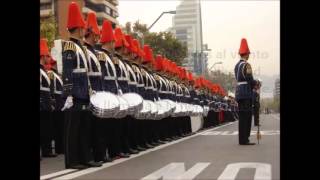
(68, 104)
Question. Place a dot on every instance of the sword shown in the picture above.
(258, 134)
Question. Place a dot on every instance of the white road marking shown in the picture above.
(177, 171)
(91, 170)
(48, 176)
(233, 133)
(263, 171)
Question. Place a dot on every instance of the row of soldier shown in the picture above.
(94, 61)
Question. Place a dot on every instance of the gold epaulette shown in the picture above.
(101, 57)
(115, 60)
(50, 74)
(68, 45)
(156, 77)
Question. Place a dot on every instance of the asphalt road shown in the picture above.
(212, 154)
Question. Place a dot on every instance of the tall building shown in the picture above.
(276, 92)
(187, 29)
(105, 9)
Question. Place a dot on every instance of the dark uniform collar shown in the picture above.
(41, 67)
(106, 51)
(77, 41)
(89, 46)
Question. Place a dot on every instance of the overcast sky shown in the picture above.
(224, 23)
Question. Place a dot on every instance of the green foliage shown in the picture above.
(163, 43)
(227, 81)
(49, 29)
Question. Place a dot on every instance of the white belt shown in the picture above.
(132, 83)
(140, 85)
(44, 89)
(109, 78)
(94, 73)
(122, 78)
(148, 87)
(162, 92)
(80, 70)
(58, 92)
(245, 82)
(179, 95)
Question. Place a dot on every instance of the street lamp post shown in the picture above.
(220, 62)
(166, 12)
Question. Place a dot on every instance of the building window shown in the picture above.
(45, 6)
(108, 10)
(182, 37)
(95, 7)
(186, 11)
(181, 31)
(185, 22)
(186, 16)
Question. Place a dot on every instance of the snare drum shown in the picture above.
(104, 104)
(123, 111)
(145, 111)
(135, 102)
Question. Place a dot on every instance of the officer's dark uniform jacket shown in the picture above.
(148, 84)
(75, 79)
(193, 96)
(196, 97)
(164, 88)
(173, 90)
(179, 93)
(108, 71)
(161, 87)
(132, 79)
(186, 93)
(56, 89)
(243, 73)
(45, 95)
(154, 87)
(94, 69)
(140, 82)
(122, 74)
(170, 93)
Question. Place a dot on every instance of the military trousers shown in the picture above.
(245, 120)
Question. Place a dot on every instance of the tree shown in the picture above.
(163, 43)
(49, 29)
(227, 81)
(270, 103)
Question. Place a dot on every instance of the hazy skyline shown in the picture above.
(224, 23)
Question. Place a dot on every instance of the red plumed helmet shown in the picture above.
(244, 48)
(136, 47)
(132, 48)
(92, 23)
(148, 53)
(44, 50)
(75, 19)
(158, 63)
(119, 38)
(106, 32)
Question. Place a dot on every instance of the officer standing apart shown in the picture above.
(76, 89)
(245, 82)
